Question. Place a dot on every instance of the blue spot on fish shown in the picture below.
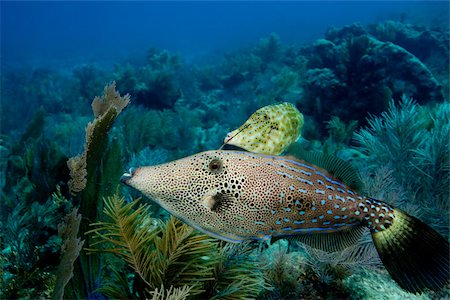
(305, 173)
(299, 164)
(305, 181)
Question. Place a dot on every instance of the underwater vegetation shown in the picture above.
(375, 96)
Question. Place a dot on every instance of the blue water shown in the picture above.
(375, 94)
(67, 33)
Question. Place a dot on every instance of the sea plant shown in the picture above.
(70, 250)
(236, 274)
(161, 255)
(170, 256)
(29, 248)
(414, 143)
(95, 174)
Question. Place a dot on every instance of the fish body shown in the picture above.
(237, 196)
(255, 196)
(269, 130)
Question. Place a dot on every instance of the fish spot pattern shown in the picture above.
(240, 195)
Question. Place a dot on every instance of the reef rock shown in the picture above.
(351, 73)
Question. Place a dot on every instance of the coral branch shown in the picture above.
(70, 251)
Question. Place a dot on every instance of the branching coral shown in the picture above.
(416, 148)
(160, 255)
(69, 250)
(29, 250)
(171, 293)
(340, 131)
(236, 276)
(95, 174)
(105, 109)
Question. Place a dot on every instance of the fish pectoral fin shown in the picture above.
(331, 241)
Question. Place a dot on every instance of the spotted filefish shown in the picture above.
(269, 130)
(237, 196)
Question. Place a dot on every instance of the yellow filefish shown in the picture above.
(269, 130)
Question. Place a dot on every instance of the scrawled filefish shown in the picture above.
(269, 130)
(237, 196)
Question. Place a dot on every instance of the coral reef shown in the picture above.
(362, 74)
(414, 145)
(180, 108)
(154, 84)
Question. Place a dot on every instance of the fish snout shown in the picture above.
(127, 176)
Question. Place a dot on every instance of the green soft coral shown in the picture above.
(161, 255)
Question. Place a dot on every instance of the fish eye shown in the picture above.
(215, 165)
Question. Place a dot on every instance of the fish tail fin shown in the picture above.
(415, 255)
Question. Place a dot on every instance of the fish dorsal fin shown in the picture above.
(337, 167)
(329, 242)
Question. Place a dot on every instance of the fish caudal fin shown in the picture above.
(416, 256)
